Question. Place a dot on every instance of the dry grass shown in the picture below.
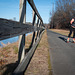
(28, 40)
(8, 58)
(40, 63)
(61, 31)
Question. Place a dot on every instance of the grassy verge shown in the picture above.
(61, 31)
(40, 63)
(9, 56)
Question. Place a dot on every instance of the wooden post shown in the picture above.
(34, 20)
(33, 23)
(22, 19)
(40, 27)
(37, 26)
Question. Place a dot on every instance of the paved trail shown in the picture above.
(62, 54)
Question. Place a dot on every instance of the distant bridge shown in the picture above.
(9, 29)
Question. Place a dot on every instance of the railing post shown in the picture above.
(37, 26)
(40, 27)
(33, 23)
(22, 19)
(39, 30)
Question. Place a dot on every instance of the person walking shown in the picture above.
(72, 29)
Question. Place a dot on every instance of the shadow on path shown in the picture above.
(62, 38)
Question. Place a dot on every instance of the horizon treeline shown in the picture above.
(64, 12)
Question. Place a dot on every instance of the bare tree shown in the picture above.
(65, 10)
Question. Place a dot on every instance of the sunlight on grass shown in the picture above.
(15, 49)
(41, 60)
(61, 31)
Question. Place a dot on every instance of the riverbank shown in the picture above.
(40, 61)
(6, 42)
(9, 56)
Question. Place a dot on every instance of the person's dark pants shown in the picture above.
(72, 29)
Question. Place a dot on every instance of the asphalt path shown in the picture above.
(62, 54)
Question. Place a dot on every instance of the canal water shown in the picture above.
(10, 40)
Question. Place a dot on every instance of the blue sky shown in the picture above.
(10, 9)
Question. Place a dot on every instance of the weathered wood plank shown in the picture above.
(38, 26)
(10, 28)
(22, 66)
(34, 8)
(22, 19)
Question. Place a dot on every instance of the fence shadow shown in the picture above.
(10, 68)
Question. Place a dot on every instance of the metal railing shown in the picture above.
(10, 29)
